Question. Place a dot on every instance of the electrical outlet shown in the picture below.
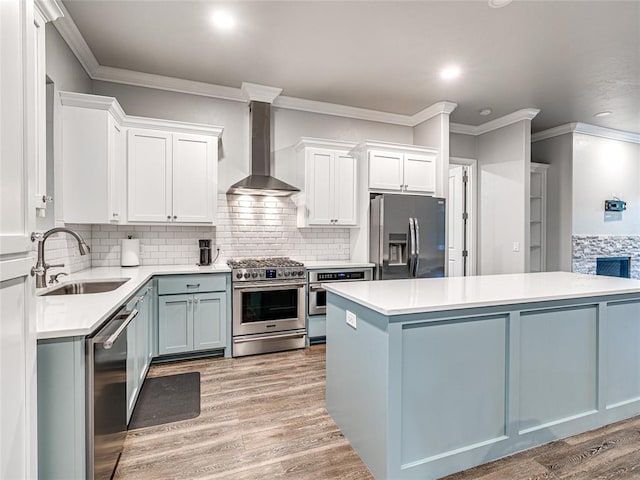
(351, 319)
(516, 246)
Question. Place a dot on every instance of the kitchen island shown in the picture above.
(427, 377)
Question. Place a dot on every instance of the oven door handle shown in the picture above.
(316, 288)
(270, 337)
(269, 286)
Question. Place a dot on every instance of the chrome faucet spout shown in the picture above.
(41, 267)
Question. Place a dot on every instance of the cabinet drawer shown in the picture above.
(191, 284)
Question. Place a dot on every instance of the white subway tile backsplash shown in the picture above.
(246, 227)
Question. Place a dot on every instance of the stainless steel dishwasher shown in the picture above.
(106, 367)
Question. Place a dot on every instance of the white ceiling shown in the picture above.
(570, 59)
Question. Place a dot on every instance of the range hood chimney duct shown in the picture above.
(260, 181)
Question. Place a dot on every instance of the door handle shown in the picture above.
(416, 230)
(412, 248)
(270, 337)
(112, 339)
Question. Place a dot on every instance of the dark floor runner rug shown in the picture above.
(167, 399)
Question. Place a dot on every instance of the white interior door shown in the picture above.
(17, 219)
(455, 220)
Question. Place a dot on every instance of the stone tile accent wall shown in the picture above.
(246, 227)
(587, 248)
(63, 248)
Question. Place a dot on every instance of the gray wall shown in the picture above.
(464, 146)
(604, 168)
(62, 65)
(504, 165)
(557, 152)
(287, 125)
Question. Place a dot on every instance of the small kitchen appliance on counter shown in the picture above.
(205, 252)
(268, 305)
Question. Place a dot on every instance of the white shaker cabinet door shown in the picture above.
(194, 178)
(320, 187)
(386, 170)
(150, 176)
(345, 190)
(420, 172)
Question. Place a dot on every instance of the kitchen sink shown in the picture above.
(86, 286)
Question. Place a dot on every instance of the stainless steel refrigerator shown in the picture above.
(407, 237)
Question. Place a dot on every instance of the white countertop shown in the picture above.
(335, 264)
(400, 297)
(78, 315)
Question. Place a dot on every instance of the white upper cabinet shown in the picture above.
(172, 177)
(330, 184)
(194, 178)
(400, 168)
(120, 169)
(93, 159)
(149, 175)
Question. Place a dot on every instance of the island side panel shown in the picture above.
(357, 380)
(558, 368)
(623, 355)
(453, 387)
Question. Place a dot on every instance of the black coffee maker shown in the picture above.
(205, 252)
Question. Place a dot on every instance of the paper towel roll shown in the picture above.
(130, 252)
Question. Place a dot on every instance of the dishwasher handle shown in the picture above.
(108, 343)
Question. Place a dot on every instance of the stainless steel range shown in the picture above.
(268, 305)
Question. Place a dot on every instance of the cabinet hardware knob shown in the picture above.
(175, 217)
(168, 217)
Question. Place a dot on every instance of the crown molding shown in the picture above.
(110, 104)
(553, 132)
(462, 129)
(172, 84)
(506, 120)
(396, 147)
(70, 33)
(131, 121)
(306, 142)
(324, 108)
(96, 102)
(586, 129)
(259, 93)
(432, 111)
(49, 9)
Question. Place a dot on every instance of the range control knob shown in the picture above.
(287, 273)
(254, 274)
(261, 274)
(300, 273)
(246, 275)
(238, 275)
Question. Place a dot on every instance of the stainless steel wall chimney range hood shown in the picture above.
(260, 181)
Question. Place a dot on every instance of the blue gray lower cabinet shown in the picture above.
(424, 395)
(62, 369)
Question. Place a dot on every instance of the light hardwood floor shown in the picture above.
(263, 417)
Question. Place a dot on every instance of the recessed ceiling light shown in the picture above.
(485, 111)
(602, 114)
(223, 20)
(450, 72)
(499, 3)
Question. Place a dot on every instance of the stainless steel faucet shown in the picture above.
(40, 270)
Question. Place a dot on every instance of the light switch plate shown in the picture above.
(516, 246)
(351, 319)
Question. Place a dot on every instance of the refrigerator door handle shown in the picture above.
(412, 248)
(416, 234)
